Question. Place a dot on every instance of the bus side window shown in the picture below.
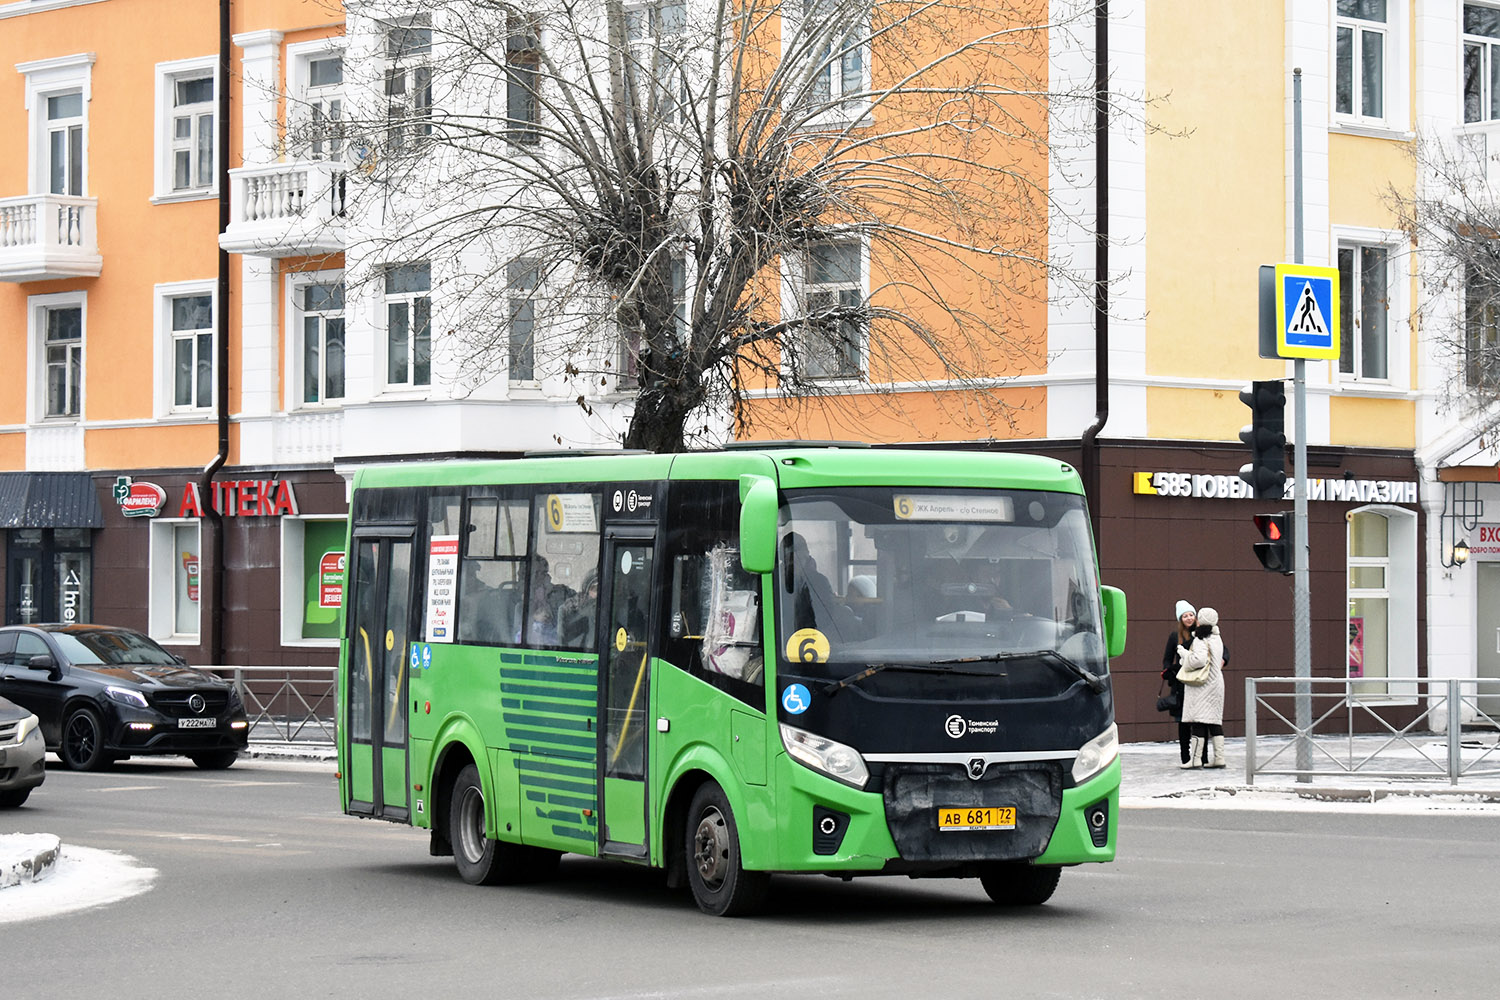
(492, 575)
(713, 619)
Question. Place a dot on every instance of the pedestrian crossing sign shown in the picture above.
(1307, 312)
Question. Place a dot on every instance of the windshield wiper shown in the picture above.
(1093, 680)
(914, 668)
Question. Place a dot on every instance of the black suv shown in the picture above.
(105, 693)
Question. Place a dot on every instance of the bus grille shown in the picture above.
(915, 792)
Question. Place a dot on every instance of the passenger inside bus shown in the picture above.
(577, 617)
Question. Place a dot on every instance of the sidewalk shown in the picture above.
(1152, 777)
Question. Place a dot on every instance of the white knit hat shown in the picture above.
(1184, 608)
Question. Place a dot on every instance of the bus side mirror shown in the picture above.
(758, 510)
(1113, 599)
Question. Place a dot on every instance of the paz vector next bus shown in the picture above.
(804, 659)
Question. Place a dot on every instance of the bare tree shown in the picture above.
(1453, 218)
(705, 202)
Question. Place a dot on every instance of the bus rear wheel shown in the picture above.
(721, 885)
(1020, 884)
(480, 860)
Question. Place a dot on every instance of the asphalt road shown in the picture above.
(265, 889)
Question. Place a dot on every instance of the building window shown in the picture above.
(187, 107)
(1481, 63)
(630, 344)
(838, 73)
(1382, 601)
(655, 33)
(175, 580)
(521, 282)
(1481, 332)
(63, 350)
(192, 351)
(1364, 311)
(65, 143)
(408, 84)
(408, 313)
(523, 61)
(834, 302)
(325, 106)
(313, 579)
(1359, 66)
(321, 308)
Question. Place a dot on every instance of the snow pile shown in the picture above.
(83, 877)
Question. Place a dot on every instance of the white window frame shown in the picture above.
(53, 78)
(1400, 564)
(417, 122)
(841, 109)
(673, 47)
(37, 307)
(386, 300)
(1398, 319)
(1481, 371)
(293, 548)
(300, 56)
(796, 286)
(167, 75)
(165, 352)
(518, 297)
(1395, 115)
(295, 356)
(162, 576)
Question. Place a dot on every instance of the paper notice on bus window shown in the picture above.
(571, 512)
(948, 507)
(442, 587)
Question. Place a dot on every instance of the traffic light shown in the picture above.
(1266, 470)
(1275, 553)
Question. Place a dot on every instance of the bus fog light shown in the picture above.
(825, 756)
(1097, 754)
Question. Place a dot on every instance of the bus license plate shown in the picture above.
(977, 818)
(197, 723)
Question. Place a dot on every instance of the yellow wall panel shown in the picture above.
(1215, 188)
(1380, 423)
(1209, 414)
(901, 417)
(151, 447)
(12, 451)
(1362, 172)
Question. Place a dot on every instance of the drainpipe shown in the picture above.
(1089, 443)
(214, 600)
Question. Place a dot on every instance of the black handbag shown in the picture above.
(1165, 702)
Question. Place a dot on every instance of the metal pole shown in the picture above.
(1250, 712)
(1301, 600)
(1455, 731)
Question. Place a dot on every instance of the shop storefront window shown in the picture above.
(313, 579)
(1381, 601)
(49, 576)
(176, 580)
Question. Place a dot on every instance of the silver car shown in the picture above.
(21, 753)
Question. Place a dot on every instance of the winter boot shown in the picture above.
(1195, 754)
(1218, 753)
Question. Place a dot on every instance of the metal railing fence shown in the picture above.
(287, 704)
(1357, 727)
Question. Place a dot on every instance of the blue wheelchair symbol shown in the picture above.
(416, 656)
(796, 699)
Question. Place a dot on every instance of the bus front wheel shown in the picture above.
(721, 885)
(480, 860)
(1020, 884)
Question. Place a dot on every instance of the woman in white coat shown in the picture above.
(1203, 703)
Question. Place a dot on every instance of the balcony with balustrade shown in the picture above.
(48, 236)
(286, 209)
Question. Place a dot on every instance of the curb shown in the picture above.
(1358, 795)
(291, 751)
(27, 857)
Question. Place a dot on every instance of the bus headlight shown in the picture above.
(1097, 754)
(825, 756)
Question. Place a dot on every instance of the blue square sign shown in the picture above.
(1307, 312)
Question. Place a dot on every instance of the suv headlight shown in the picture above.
(126, 696)
(1095, 755)
(825, 756)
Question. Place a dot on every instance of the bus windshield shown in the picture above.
(882, 576)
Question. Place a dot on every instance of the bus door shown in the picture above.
(378, 646)
(625, 684)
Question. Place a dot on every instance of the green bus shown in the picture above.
(792, 658)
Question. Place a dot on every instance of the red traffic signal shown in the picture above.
(1275, 553)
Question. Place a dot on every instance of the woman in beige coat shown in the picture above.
(1203, 702)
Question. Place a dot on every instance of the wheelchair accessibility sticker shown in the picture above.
(796, 699)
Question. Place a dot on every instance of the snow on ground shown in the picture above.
(84, 877)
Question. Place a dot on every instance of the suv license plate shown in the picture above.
(197, 723)
(977, 818)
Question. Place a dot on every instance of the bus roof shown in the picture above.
(793, 466)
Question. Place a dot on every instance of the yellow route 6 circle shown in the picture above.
(555, 512)
(807, 645)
